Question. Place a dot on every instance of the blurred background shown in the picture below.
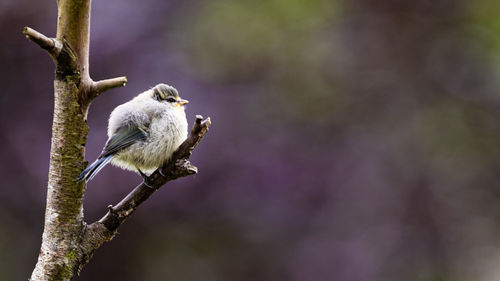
(351, 140)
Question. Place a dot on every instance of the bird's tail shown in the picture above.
(94, 168)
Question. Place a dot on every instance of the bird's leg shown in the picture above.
(144, 177)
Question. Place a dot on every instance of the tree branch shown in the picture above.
(105, 85)
(64, 223)
(51, 45)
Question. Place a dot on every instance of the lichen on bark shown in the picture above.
(64, 210)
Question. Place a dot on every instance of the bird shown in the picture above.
(143, 133)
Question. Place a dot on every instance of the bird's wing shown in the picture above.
(123, 138)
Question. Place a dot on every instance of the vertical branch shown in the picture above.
(64, 224)
(73, 27)
(60, 254)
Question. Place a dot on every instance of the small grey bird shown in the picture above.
(143, 133)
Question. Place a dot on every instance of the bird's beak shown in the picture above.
(182, 102)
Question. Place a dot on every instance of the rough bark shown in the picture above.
(67, 241)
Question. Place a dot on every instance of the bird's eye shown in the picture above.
(171, 99)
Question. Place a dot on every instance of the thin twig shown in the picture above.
(51, 45)
(107, 84)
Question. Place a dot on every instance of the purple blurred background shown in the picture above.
(351, 140)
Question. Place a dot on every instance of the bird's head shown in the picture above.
(167, 94)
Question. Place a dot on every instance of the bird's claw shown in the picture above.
(144, 178)
(161, 173)
(143, 175)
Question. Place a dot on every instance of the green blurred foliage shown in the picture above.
(484, 13)
(281, 43)
(459, 137)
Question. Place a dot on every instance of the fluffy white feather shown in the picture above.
(164, 123)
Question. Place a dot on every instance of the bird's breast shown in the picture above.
(165, 133)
